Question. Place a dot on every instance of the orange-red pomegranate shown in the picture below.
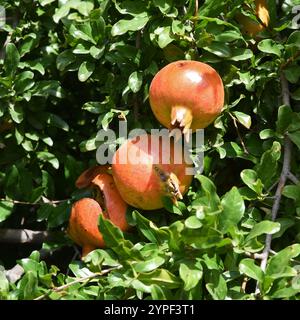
(143, 177)
(83, 222)
(186, 95)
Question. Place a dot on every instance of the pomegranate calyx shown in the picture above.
(182, 118)
(170, 183)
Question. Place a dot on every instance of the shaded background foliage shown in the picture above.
(70, 68)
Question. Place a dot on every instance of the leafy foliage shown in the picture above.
(70, 68)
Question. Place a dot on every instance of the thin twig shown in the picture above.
(293, 178)
(291, 60)
(26, 236)
(283, 177)
(256, 256)
(239, 134)
(79, 280)
(244, 285)
(196, 8)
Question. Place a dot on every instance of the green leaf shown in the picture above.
(11, 60)
(285, 224)
(171, 207)
(107, 119)
(61, 12)
(6, 209)
(270, 46)
(163, 5)
(97, 53)
(149, 265)
(135, 81)
(56, 121)
(29, 42)
(135, 24)
(267, 168)
(88, 145)
(233, 210)
(190, 275)
(46, 88)
(45, 2)
(251, 179)
(24, 81)
(229, 36)
(157, 293)
(4, 284)
(240, 54)
(243, 118)
(160, 277)
(263, 227)
(64, 59)
(148, 228)
(48, 157)
(112, 235)
(193, 223)
(44, 212)
(295, 137)
(292, 73)
(29, 285)
(210, 198)
(164, 36)
(294, 40)
(292, 192)
(219, 49)
(59, 214)
(296, 95)
(285, 115)
(278, 263)
(287, 292)
(16, 112)
(250, 269)
(216, 285)
(86, 69)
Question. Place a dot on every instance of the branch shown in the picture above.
(293, 178)
(283, 176)
(79, 280)
(239, 134)
(291, 60)
(26, 236)
(45, 200)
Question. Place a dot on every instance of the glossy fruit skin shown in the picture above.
(193, 85)
(83, 221)
(143, 185)
(252, 27)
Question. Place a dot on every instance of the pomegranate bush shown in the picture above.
(71, 68)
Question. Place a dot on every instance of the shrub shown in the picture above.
(70, 68)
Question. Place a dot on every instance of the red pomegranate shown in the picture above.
(186, 95)
(83, 222)
(144, 173)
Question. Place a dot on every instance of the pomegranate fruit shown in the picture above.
(252, 27)
(144, 173)
(83, 222)
(87, 176)
(186, 95)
